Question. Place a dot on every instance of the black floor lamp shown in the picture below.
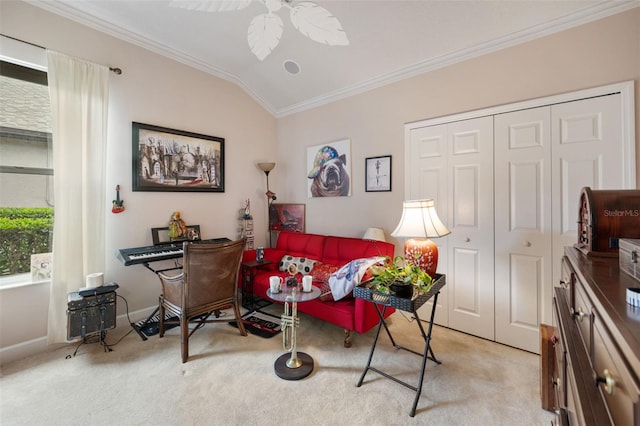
(271, 196)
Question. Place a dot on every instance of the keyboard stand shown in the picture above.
(123, 256)
(138, 328)
(157, 271)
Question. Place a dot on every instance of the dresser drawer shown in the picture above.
(559, 374)
(582, 312)
(617, 384)
(605, 344)
(561, 418)
(567, 280)
(578, 410)
(573, 410)
(584, 404)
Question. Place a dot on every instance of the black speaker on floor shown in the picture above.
(90, 314)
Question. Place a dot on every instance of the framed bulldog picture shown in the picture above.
(378, 174)
(329, 169)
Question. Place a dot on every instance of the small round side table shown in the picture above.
(292, 365)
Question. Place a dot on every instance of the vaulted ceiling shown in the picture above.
(388, 40)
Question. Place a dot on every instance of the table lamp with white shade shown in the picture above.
(374, 234)
(418, 223)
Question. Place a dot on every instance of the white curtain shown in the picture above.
(79, 93)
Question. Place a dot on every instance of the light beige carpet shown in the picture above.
(229, 380)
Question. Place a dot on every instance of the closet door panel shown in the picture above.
(465, 196)
(470, 219)
(467, 296)
(586, 137)
(428, 156)
(523, 224)
(587, 151)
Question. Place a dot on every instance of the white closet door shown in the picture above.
(470, 218)
(428, 160)
(523, 256)
(587, 151)
(451, 159)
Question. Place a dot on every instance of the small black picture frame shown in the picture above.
(174, 160)
(377, 173)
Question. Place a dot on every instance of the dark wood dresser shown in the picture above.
(596, 337)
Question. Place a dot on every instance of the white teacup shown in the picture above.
(275, 283)
(306, 283)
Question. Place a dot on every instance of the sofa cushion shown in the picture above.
(303, 265)
(341, 250)
(301, 245)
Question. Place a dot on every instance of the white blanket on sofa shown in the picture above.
(346, 278)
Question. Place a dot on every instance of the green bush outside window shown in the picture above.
(23, 232)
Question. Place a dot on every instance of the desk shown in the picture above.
(248, 271)
(298, 365)
(407, 305)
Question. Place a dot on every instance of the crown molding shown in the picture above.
(593, 13)
(584, 16)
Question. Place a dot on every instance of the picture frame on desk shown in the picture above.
(175, 160)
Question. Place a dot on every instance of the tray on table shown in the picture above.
(363, 291)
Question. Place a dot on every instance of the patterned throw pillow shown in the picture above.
(325, 292)
(322, 271)
(303, 264)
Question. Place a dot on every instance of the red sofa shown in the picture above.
(349, 313)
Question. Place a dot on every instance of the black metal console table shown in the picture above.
(408, 305)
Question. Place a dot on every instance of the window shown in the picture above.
(26, 182)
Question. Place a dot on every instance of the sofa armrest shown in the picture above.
(248, 255)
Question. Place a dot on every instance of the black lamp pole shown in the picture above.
(266, 168)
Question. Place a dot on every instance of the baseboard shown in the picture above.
(23, 349)
(39, 344)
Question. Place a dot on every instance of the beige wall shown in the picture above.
(159, 91)
(600, 53)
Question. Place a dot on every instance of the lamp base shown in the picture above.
(423, 253)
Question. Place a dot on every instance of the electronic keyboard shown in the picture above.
(142, 255)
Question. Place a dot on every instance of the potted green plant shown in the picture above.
(400, 277)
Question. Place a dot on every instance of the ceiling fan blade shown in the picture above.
(264, 34)
(318, 24)
(211, 5)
